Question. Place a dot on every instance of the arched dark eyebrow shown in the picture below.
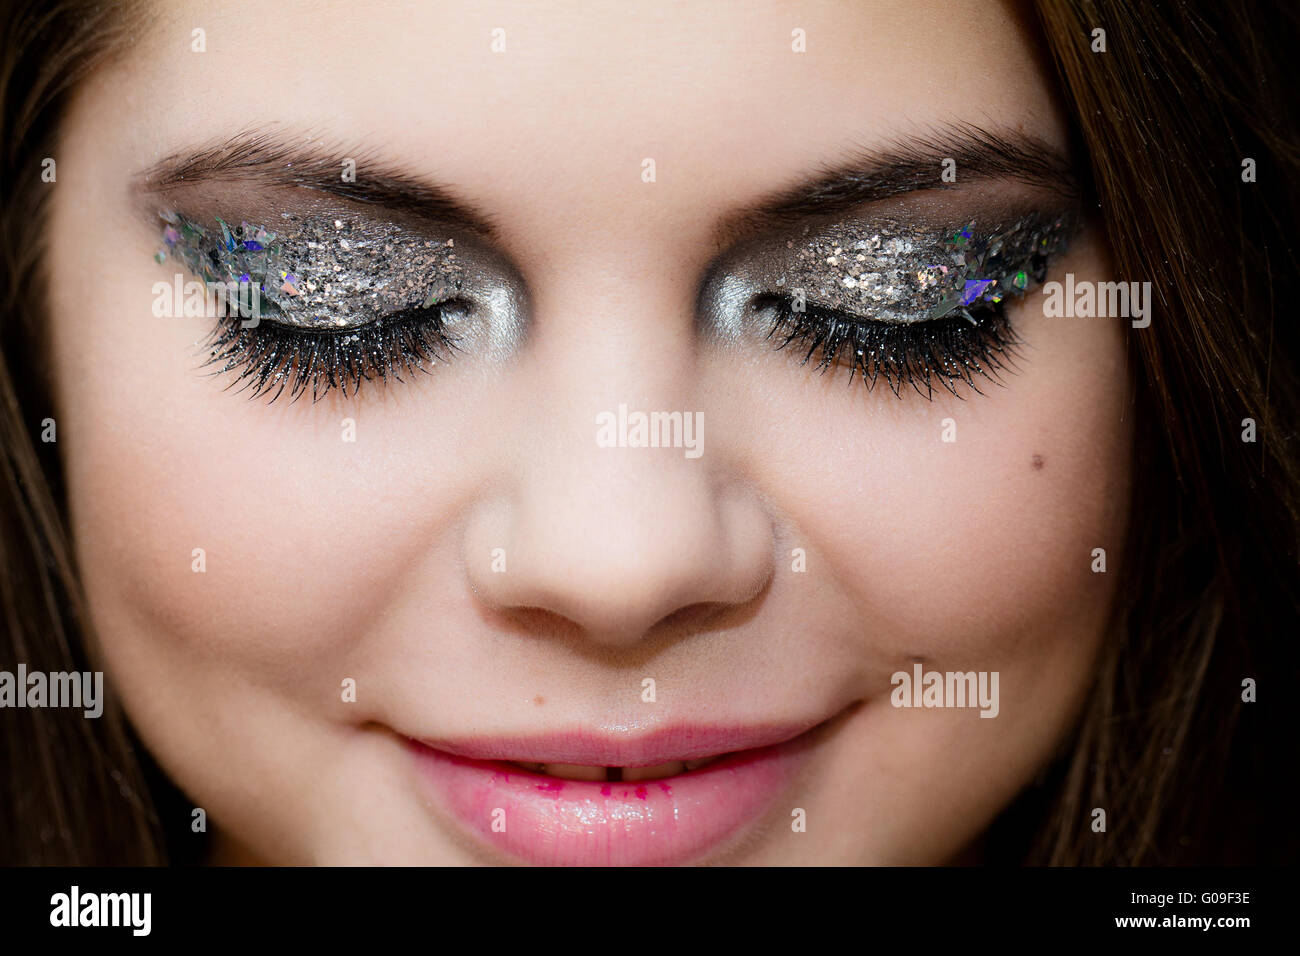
(910, 166)
(270, 160)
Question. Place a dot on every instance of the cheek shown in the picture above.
(250, 534)
(979, 519)
(989, 512)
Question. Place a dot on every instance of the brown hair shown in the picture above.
(73, 789)
(1182, 95)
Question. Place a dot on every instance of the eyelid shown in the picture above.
(319, 272)
(894, 272)
(388, 268)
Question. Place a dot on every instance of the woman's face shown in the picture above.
(479, 558)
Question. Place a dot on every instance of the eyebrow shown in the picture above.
(910, 166)
(871, 175)
(266, 159)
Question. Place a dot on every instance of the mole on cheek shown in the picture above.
(539, 700)
(1037, 462)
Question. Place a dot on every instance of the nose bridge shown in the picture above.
(615, 382)
(610, 481)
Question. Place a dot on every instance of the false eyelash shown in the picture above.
(958, 348)
(274, 356)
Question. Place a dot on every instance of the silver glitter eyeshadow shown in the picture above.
(318, 272)
(892, 272)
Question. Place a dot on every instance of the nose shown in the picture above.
(595, 526)
(619, 540)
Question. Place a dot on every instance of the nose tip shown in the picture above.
(620, 565)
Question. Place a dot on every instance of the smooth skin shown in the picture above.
(371, 560)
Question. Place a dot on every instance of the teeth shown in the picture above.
(572, 771)
(670, 769)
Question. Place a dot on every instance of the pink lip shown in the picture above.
(548, 821)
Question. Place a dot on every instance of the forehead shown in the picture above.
(560, 121)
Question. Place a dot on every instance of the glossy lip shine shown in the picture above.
(551, 821)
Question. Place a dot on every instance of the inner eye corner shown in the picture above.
(766, 300)
(458, 303)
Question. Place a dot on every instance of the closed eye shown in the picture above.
(315, 303)
(893, 300)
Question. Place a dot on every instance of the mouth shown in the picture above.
(673, 797)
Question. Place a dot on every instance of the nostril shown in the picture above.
(711, 615)
(536, 622)
(540, 622)
(693, 616)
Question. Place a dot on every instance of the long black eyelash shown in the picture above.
(271, 357)
(956, 349)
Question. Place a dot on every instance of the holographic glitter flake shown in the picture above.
(974, 289)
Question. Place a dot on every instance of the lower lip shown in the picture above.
(553, 822)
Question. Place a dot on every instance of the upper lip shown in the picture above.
(626, 748)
